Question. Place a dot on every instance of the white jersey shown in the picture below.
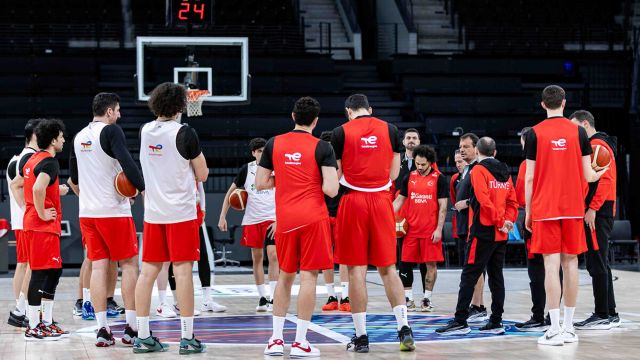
(261, 205)
(17, 212)
(96, 175)
(170, 185)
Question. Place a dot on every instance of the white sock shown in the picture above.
(554, 314)
(345, 289)
(33, 313)
(400, 312)
(186, 327)
(568, 317)
(130, 315)
(21, 304)
(175, 297)
(207, 294)
(47, 314)
(262, 290)
(162, 296)
(408, 294)
(143, 327)
(301, 331)
(86, 295)
(360, 323)
(331, 290)
(101, 317)
(427, 294)
(278, 327)
(272, 287)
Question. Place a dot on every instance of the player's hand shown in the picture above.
(64, 189)
(461, 205)
(222, 224)
(590, 219)
(527, 221)
(49, 214)
(507, 227)
(437, 236)
(271, 230)
(601, 172)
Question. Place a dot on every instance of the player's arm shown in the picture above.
(202, 195)
(589, 174)
(395, 166)
(326, 159)
(113, 137)
(188, 145)
(73, 180)
(39, 194)
(264, 175)
(396, 146)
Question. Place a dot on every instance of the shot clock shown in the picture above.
(185, 13)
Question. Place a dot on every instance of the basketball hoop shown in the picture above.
(194, 101)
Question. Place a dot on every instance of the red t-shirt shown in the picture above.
(42, 162)
(422, 193)
(522, 172)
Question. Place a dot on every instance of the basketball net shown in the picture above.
(194, 101)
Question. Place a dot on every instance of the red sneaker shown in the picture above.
(345, 305)
(331, 305)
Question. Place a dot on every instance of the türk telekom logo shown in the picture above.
(370, 142)
(155, 150)
(293, 159)
(560, 144)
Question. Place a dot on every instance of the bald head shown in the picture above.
(486, 146)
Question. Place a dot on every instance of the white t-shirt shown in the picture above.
(17, 212)
(261, 205)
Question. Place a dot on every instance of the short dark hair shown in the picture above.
(29, 127)
(47, 131)
(457, 152)
(584, 115)
(257, 143)
(168, 99)
(104, 101)
(412, 130)
(552, 96)
(305, 110)
(426, 152)
(326, 135)
(486, 146)
(357, 101)
(525, 130)
(472, 136)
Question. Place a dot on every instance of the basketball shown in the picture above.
(238, 199)
(600, 157)
(124, 187)
(402, 226)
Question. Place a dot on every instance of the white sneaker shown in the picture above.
(554, 338)
(275, 347)
(299, 350)
(213, 306)
(263, 305)
(165, 311)
(176, 309)
(569, 335)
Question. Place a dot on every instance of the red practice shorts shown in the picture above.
(421, 250)
(558, 236)
(366, 229)
(22, 247)
(109, 238)
(254, 235)
(306, 248)
(171, 242)
(44, 250)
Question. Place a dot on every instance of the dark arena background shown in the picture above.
(443, 67)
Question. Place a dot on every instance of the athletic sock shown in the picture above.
(101, 317)
(400, 312)
(554, 314)
(130, 315)
(143, 327)
(278, 327)
(33, 315)
(186, 329)
(162, 296)
(21, 304)
(47, 313)
(272, 287)
(262, 290)
(86, 295)
(345, 289)
(427, 294)
(408, 294)
(207, 294)
(568, 317)
(331, 290)
(301, 331)
(360, 323)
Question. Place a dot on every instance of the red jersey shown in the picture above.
(557, 145)
(296, 159)
(605, 188)
(42, 161)
(366, 147)
(422, 193)
(522, 172)
(452, 196)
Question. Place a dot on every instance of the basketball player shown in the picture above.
(428, 194)
(172, 162)
(368, 153)
(42, 219)
(258, 223)
(306, 171)
(601, 209)
(468, 141)
(341, 301)
(453, 184)
(493, 211)
(558, 164)
(22, 276)
(100, 152)
(535, 262)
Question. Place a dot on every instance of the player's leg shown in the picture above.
(496, 285)
(257, 257)
(429, 283)
(18, 279)
(184, 290)
(99, 283)
(281, 301)
(113, 309)
(204, 274)
(48, 290)
(17, 316)
(129, 278)
(423, 275)
(345, 302)
(274, 269)
(34, 331)
(406, 276)
(306, 304)
(164, 309)
(144, 287)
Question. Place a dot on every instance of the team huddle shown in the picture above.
(337, 201)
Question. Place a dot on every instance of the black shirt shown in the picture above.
(11, 170)
(463, 192)
(442, 186)
(241, 178)
(404, 169)
(337, 139)
(188, 143)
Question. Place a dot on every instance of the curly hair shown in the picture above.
(426, 152)
(47, 131)
(168, 99)
(305, 110)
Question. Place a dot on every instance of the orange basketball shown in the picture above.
(238, 199)
(402, 226)
(600, 157)
(124, 187)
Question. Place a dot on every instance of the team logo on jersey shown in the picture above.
(370, 142)
(430, 183)
(27, 171)
(86, 146)
(560, 144)
(293, 159)
(155, 150)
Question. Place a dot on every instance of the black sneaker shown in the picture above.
(614, 320)
(406, 339)
(359, 344)
(263, 305)
(104, 338)
(129, 335)
(77, 308)
(594, 322)
(16, 320)
(492, 328)
(454, 328)
(532, 325)
(112, 305)
(477, 314)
